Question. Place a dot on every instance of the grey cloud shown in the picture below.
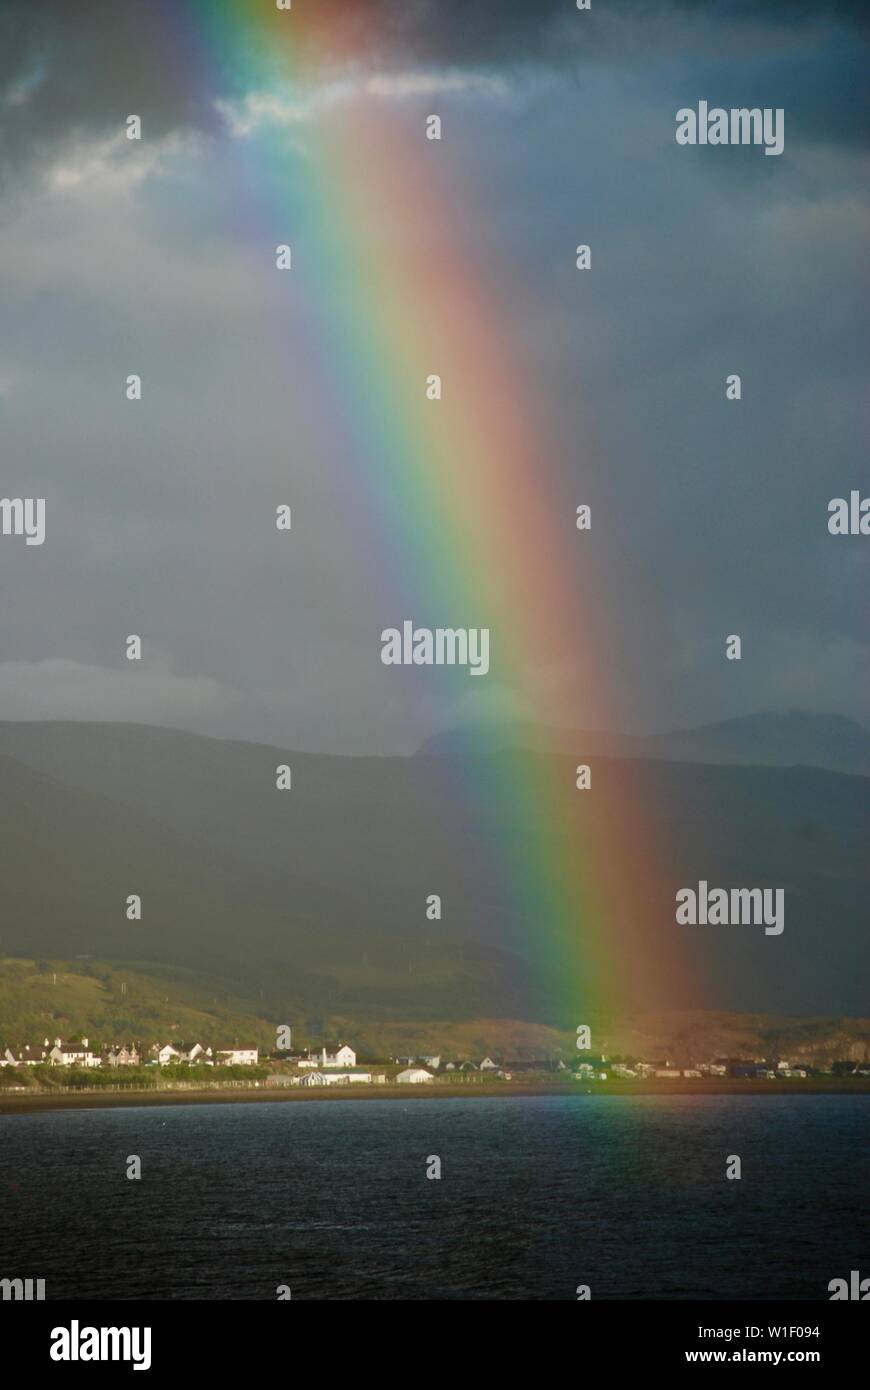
(70, 69)
(705, 522)
(67, 70)
(63, 689)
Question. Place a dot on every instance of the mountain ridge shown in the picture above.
(317, 896)
(766, 739)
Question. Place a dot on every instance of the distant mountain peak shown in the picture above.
(772, 738)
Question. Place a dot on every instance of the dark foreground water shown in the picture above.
(537, 1196)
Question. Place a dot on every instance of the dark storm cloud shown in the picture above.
(67, 69)
(500, 31)
(712, 517)
(82, 68)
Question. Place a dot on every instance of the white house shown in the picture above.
(69, 1055)
(237, 1056)
(166, 1054)
(414, 1076)
(338, 1056)
(433, 1062)
(198, 1055)
(488, 1065)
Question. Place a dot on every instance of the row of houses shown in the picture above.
(752, 1070)
(410, 1076)
(332, 1055)
(600, 1069)
(336, 1064)
(486, 1064)
(332, 1064)
(200, 1056)
(80, 1054)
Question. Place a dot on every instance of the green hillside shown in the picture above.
(312, 902)
(51, 998)
(55, 998)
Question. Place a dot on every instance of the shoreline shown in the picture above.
(20, 1103)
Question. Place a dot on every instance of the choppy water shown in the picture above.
(537, 1195)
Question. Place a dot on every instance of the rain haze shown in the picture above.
(157, 257)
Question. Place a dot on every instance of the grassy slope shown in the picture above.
(316, 897)
(33, 1007)
(173, 1005)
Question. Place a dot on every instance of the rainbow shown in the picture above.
(474, 527)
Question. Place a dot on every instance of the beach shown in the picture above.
(26, 1103)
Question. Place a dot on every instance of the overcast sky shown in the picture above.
(710, 518)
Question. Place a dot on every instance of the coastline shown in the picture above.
(20, 1103)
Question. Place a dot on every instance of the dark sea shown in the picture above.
(537, 1196)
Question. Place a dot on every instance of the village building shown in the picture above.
(122, 1056)
(350, 1078)
(337, 1055)
(357, 1077)
(237, 1056)
(25, 1056)
(73, 1054)
(414, 1076)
